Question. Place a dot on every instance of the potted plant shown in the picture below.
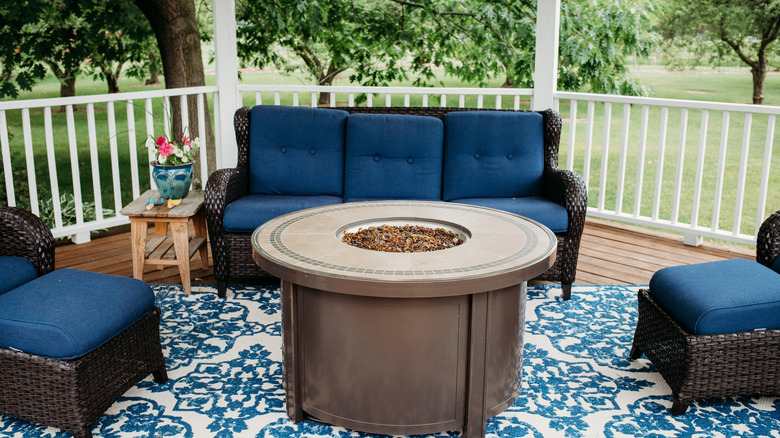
(172, 166)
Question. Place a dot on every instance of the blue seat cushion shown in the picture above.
(729, 296)
(493, 154)
(296, 151)
(67, 313)
(548, 213)
(393, 156)
(245, 214)
(16, 272)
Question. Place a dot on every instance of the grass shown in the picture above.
(732, 85)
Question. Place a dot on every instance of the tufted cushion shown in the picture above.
(729, 296)
(548, 213)
(393, 157)
(296, 151)
(492, 154)
(249, 212)
(68, 313)
(16, 271)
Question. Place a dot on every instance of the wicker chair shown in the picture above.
(712, 365)
(70, 394)
(232, 252)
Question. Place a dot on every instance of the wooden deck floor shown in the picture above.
(609, 254)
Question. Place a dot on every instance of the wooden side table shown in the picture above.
(163, 249)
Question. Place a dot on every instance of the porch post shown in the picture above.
(226, 63)
(548, 19)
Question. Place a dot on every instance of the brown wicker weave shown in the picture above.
(707, 366)
(72, 394)
(232, 252)
(26, 235)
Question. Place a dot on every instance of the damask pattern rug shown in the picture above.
(224, 364)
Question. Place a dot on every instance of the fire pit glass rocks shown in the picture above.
(402, 342)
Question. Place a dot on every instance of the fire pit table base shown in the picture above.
(402, 366)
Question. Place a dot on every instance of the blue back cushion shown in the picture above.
(16, 272)
(296, 151)
(393, 156)
(68, 313)
(728, 296)
(493, 154)
(776, 265)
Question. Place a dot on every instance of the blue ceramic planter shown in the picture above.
(173, 181)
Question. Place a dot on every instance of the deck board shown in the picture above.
(610, 253)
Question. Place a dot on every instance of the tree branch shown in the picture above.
(438, 12)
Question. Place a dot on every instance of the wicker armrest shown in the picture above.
(23, 234)
(768, 240)
(223, 187)
(568, 189)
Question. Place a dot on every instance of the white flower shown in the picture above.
(150, 142)
(160, 159)
(178, 152)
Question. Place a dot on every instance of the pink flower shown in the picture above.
(165, 149)
(187, 142)
(183, 138)
(160, 140)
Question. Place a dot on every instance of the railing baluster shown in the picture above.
(351, 99)
(217, 133)
(74, 165)
(406, 100)
(517, 102)
(313, 99)
(7, 168)
(572, 134)
(133, 148)
(479, 101)
(55, 185)
(150, 133)
(185, 118)
(443, 101)
(623, 156)
(680, 163)
(588, 143)
(388, 100)
(277, 98)
(462, 101)
(659, 166)
(640, 168)
(30, 159)
(204, 141)
(700, 167)
(425, 101)
(168, 117)
(112, 145)
(332, 100)
(498, 101)
(768, 144)
(605, 155)
(724, 139)
(295, 98)
(743, 162)
(258, 98)
(93, 154)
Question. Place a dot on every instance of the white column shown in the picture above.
(548, 19)
(226, 63)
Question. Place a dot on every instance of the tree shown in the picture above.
(749, 28)
(474, 40)
(175, 27)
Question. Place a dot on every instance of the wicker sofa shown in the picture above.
(290, 158)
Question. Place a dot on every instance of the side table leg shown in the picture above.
(199, 223)
(138, 244)
(181, 246)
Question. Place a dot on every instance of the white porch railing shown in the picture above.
(697, 168)
(64, 146)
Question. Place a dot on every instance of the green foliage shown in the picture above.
(473, 40)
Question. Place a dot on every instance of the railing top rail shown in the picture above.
(114, 97)
(392, 90)
(677, 103)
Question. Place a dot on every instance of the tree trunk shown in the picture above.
(176, 29)
(759, 75)
(112, 79)
(68, 86)
(154, 77)
(327, 80)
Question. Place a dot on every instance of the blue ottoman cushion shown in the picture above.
(16, 271)
(67, 313)
(729, 296)
(249, 212)
(548, 213)
(296, 151)
(390, 156)
(493, 154)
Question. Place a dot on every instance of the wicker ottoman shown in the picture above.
(712, 330)
(72, 342)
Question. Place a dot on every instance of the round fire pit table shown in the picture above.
(402, 343)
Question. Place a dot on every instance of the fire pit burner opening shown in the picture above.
(403, 235)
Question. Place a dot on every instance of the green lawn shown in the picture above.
(706, 85)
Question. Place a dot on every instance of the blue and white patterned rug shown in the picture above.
(223, 359)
